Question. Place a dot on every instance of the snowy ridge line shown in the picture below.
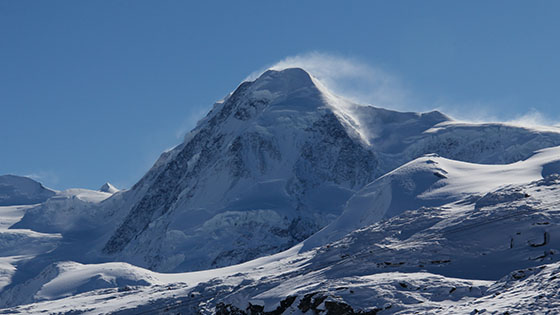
(368, 252)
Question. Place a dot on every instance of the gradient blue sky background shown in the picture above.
(95, 91)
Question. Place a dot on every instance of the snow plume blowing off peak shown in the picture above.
(350, 78)
(294, 88)
(281, 86)
(345, 84)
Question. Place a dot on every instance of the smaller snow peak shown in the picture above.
(435, 116)
(20, 190)
(108, 188)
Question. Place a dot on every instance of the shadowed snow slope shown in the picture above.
(68, 278)
(18, 190)
(30, 236)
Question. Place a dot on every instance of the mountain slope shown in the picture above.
(18, 190)
(433, 181)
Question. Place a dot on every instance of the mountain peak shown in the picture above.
(283, 81)
(291, 89)
(108, 188)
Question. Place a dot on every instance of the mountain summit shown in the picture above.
(284, 82)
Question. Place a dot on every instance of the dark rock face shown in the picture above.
(308, 303)
(332, 156)
(172, 179)
(166, 188)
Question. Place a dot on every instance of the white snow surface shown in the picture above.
(59, 213)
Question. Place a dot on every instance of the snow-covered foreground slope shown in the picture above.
(451, 223)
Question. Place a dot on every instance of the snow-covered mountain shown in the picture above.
(275, 162)
(350, 207)
(18, 190)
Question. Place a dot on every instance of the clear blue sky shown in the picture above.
(93, 91)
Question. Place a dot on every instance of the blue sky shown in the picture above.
(95, 91)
